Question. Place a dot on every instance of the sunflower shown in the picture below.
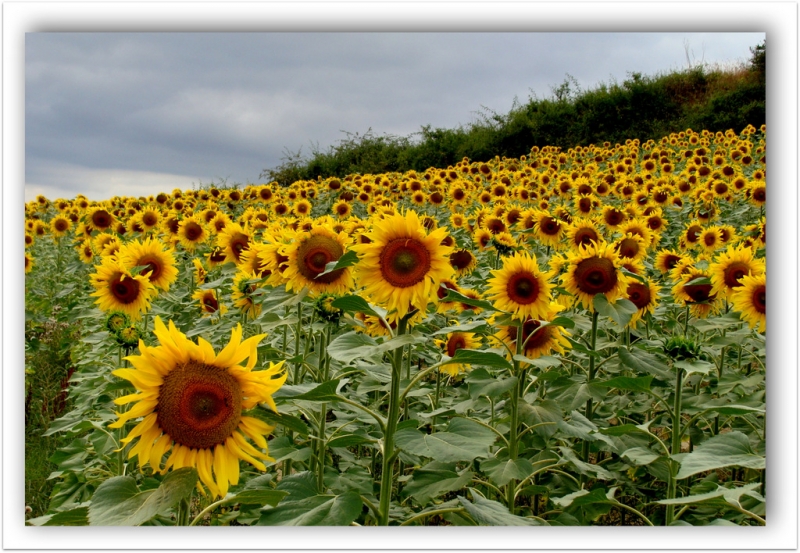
(592, 270)
(698, 295)
(152, 254)
(537, 340)
(208, 302)
(547, 229)
(582, 232)
(473, 295)
(750, 300)
(482, 238)
(631, 247)
(59, 226)
(118, 290)
(666, 260)
(463, 262)
(451, 344)
(520, 287)
(613, 217)
(444, 287)
(85, 251)
(192, 402)
(234, 241)
(244, 294)
(710, 239)
(644, 297)
(28, 263)
(99, 218)
(342, 209)
(309, 253)
(730, 266)
(191, 233)
(402, 266)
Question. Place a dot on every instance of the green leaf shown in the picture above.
(317, 510)
(720, 496)
(620, 311)
(299, 486)
(435, 479)
(501, 472)
(464, 441)
(73, 517)
(354, 345)
(640, 456)
(695, 366)
(581, 498)
(638, 384)
(481, 383)
(348, 259)
(545, 413)
(478, 357)
(584, 468)
(269, 416)
(453, 296)
(634, 276)
(486, 512)
(357, 304)
(699, 281)
(544, 362)
(256, 497)
(348, 440)
(118, 502)
(466, 327)
(723, 450)
(324, 392)
(644, 362)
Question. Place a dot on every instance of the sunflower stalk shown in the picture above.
(513, 435)
(323, 415)
(590, 377)
(387, 475)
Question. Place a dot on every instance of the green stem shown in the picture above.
(516, 393)
(182, 518)
(686, 324)
(676, 445)
(298, 331)
(387, 475)
(590, 377)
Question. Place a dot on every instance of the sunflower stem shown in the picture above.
(513, 435)
(675, 446)
(686, 324)
(387, 475)
(182, 518)
(298, 331)
(590, 377)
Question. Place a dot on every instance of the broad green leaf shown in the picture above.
(324, 392)
(695, 366)
(256, 497)
(644, 362)
(723, 450)
(74, 517)
(620, 311)
(317, 510)
(435, 479)
(299, 486)
(481, 383)
(118, 502)
(353, 345)
(347, 440)
(640, 456)
(486, 512)
(465, 327)
(721, 495)
(638, 384)
(281, 449)
(357, 304)
(568, 456)
(544, 362)
(478, 357)
(453, 296)
(544, 414)
(501, 472)
(269, 416)
(464, 441)
(348, 259)
(583, 497)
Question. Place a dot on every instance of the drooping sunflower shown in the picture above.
(644, 296)
(537, 340)
(118, 290)
(592, 270)
(209, 304)
(309, 253)
(520, 288)
(152, 253)
(730, 266)
(192, 400)
(451, 344)
(697, 295)
(463, 262)
(402, 266)
(750, 300)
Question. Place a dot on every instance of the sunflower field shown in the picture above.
(572, 337)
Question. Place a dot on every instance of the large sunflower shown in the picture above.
(402, 266)
(731, 266)
(118, 290)
(234, 241)
(592, 270)
(454, 342)
(191, 400)
(750, 300)
(520, 287)
(536, 340)
(192, 232)
(309, 253)
(152, 254)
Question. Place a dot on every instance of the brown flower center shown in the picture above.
(404, 262)
(596, 275)
(639, 294)
(760, 299)
(192, 231)
(523, 288)
(314, 254)
(124, 289)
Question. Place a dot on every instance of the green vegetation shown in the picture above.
(641, 107)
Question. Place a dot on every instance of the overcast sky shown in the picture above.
(139, 113)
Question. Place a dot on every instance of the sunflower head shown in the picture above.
(451, 344)
(593, 270)
(192, 403)
(118, 290)
(750, 300)
(128, 336)
(520, 288)
(324, 309)
(117, 320)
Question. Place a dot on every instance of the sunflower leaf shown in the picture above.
(478, 357)
(435, 479)
(620, 311)
(638, 384)
(486, 512)
(723, 450)
(348, 259)
(357, 304)
(317, 510)
(453, 296)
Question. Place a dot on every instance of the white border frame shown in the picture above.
(777, 19)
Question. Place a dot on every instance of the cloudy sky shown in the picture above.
(139, 113)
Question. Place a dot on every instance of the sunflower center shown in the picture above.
(549, 226)
(596, 275)
(523, 288)
(238, 244)
(454, 344)
(193, 231)
(760, 299)
(211, 304)
(639, 294)
(61, 225)
(405, 262)
(461, 259)
(125, 291)
(199, 405)
(734, 272)
(614, 217)
(153, 266)
(628, 248)
(316, 252)
(101, 219)
(585, 236)
(698, 292)
(149, 218)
